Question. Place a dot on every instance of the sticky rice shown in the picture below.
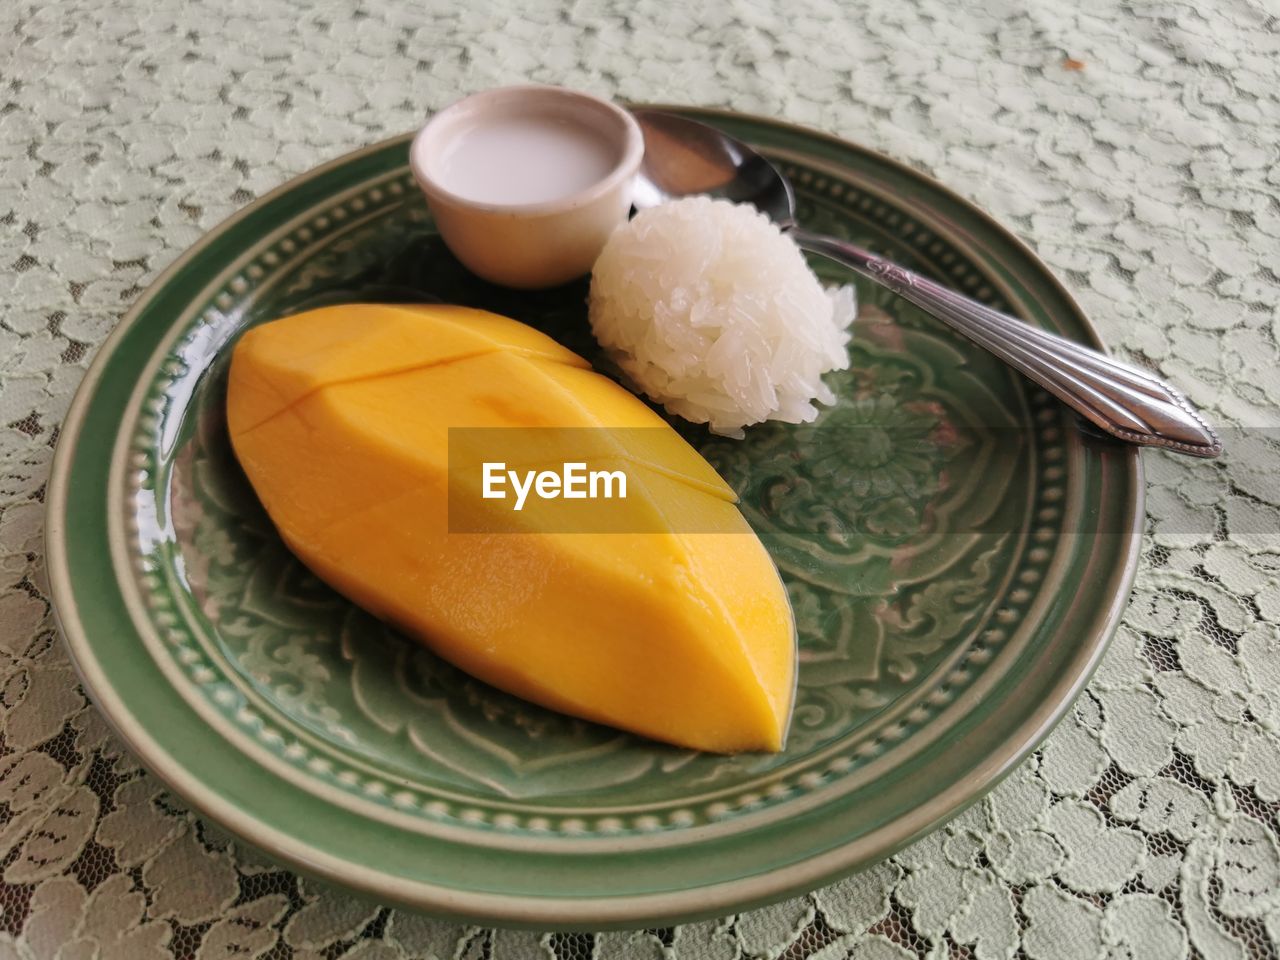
(710, 310)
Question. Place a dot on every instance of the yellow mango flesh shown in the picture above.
(681, 631)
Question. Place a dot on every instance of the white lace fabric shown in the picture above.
(1134, 147)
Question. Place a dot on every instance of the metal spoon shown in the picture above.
(684, 157)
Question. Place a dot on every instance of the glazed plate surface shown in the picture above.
(957, 554)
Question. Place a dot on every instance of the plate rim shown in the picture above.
(626, 910)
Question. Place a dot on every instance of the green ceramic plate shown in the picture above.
(957, 554)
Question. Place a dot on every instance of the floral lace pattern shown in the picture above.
(1135, 148)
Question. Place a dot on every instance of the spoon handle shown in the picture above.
(1125, 401)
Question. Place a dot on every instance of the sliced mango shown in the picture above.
(677, 627)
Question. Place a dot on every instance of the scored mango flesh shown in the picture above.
(683, 632)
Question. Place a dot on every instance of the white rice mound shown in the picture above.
(711, 311)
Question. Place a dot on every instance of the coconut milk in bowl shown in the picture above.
(527, 183)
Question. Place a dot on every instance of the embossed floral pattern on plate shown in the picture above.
(877, 514)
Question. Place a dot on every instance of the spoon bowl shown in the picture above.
(683, 158)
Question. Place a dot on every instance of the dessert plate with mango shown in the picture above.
(457, 538)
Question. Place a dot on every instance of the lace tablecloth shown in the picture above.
(1136, 148)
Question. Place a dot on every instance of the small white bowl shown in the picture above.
(508, 238)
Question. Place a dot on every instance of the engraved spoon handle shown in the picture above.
(1125, 401)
